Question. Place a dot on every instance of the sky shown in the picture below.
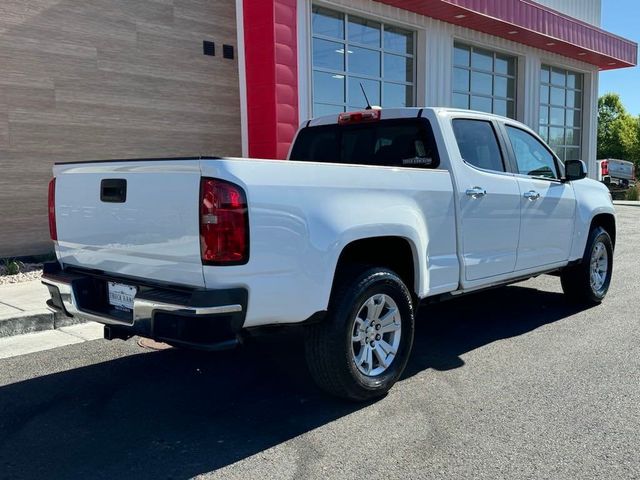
(622, 17)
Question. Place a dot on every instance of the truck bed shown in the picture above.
(298, 213)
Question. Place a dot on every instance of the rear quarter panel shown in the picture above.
(302, 215)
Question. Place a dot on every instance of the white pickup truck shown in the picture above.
(616, 173)
(374, 212)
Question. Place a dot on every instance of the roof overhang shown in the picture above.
(532, 24)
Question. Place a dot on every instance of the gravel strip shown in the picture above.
(30, 271)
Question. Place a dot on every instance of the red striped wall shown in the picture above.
(271, 58)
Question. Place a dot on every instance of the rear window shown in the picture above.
(392, 143)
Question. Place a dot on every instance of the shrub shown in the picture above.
(12, 266)
(632, 193)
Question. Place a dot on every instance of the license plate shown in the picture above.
(121, 296)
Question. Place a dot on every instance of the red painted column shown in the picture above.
(271, 58)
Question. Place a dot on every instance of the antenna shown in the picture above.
(365, 97)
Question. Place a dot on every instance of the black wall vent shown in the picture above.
(209, 48)
(227, 51)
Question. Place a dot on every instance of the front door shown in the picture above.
(489, 200)
(548, 206)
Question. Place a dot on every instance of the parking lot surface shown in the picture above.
(512, 383)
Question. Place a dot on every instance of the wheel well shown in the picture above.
(394, 253)
(608, 222)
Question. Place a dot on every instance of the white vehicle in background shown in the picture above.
(375, 212)
(616, 173)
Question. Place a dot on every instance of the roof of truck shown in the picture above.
(405, 112)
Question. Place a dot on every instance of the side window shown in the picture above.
(532, 158)
(478, 144)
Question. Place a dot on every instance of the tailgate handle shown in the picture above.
(113, 190)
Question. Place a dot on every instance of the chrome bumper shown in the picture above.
(143, 309)
(206, 319)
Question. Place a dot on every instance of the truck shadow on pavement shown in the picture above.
(176, 414)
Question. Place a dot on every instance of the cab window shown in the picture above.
(532, 157)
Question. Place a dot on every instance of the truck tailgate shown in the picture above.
(150, 230)
(621, 169)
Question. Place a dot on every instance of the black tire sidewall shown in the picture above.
(370, 283)
(599, 235)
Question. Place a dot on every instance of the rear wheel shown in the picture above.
(362, 348)
(588, 282)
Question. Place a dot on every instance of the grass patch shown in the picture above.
(632, 193)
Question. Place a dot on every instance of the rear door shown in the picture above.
(548, 206)
(489, 200)
(137, 219)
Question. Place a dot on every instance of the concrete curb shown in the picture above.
(34, 321)
(626, 203)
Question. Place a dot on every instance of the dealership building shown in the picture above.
(154, 78)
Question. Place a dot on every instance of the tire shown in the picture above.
(577, 280)
(337, 349)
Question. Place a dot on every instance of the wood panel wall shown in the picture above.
(93, 79)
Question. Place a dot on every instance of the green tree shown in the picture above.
(634, 150)
(618, 132)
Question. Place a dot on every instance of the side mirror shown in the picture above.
(574, 170)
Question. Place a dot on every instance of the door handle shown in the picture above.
(476, 192)
(532, 195)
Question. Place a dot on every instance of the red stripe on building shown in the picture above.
(531, 24)
(271, 57)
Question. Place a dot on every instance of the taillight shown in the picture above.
(359, 117)
(53, 230)
(224, 223)
(604, 165)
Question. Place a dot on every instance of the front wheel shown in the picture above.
(589, 281)
(363, 346)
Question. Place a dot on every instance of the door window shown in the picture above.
(532, 157)
(478, 144)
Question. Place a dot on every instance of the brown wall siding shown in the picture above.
(91, 79)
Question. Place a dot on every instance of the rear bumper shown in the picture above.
(196, 318)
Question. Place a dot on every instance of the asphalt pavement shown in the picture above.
(513, 383)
